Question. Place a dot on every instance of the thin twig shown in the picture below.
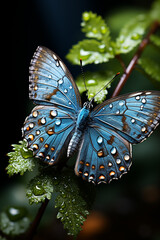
(33, 228)
(135, 58)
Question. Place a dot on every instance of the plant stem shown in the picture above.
(135, 58)
(32, 230)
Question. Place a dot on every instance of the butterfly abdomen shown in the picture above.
(74, 143)
(77, 136)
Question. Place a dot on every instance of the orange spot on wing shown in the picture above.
(100, 153)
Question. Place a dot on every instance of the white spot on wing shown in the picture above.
(55, 57)
(135, 94)
(62, 66)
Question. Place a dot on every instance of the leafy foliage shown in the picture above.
(14, 221)
(103, 48)
(131, 34)
(95, 27)
(98, 47)
(150, 67)
(72, 206)
(90, 51)
(94, 79)
(39, 188)
(20, 160)
(95, 50)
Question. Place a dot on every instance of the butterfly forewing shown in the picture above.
(51, 82)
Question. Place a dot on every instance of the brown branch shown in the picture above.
(135, 58)
(32, 230)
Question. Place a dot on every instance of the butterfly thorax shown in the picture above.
(79, 130)
(82, 118)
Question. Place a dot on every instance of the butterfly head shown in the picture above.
(88, 105)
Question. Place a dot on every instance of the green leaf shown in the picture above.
(150, 67)
(95, 27)
(131, 34)
(94, 82)
(155, 40)
(72, 207)
(39, 188)
(14, 221)
(90, 51)
(20, 160)
(97, 50)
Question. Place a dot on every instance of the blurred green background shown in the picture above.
(125, 209)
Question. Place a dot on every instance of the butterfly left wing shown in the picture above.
(105, 152)
(104, 155)
(48, 130)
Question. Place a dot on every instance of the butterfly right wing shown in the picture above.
(51, 82)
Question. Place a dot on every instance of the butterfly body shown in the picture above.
(103, 136)
(79, 130)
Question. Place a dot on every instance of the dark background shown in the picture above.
(130, 207)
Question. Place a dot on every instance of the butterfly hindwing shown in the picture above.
(51, 82)
(47, 130)
(104, 155)
(134, 116)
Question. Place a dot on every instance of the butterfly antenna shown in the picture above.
(83, 74)
(105, 86)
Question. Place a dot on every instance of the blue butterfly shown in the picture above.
(59, 125)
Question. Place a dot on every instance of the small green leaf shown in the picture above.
(94, 82)
(155, 40)
(39, 188)
(90, 51)
(131, 34)
(14, 221)
(95, 27)
(72, 208)
(96, 50)
(20, 160)
(150, 67)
